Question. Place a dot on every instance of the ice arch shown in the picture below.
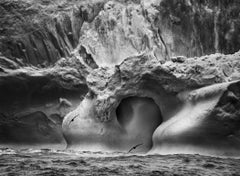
(139, 117)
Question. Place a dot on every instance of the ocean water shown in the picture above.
(60, 162)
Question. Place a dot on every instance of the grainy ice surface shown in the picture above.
(59, 162)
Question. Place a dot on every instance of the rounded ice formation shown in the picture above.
(161, 107)
(134, 122)
(50, 57)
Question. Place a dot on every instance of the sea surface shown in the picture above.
(60, 162)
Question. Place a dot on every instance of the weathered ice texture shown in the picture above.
(166, 28)
(41, 80)
(196, 28)
(34, 101)
(195, 98)
(119, 31)
(121, 73)
(39, 33)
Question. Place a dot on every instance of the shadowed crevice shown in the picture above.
(139, 117)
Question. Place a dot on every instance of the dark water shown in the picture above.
(59, 162)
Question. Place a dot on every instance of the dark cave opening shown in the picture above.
(139, 117)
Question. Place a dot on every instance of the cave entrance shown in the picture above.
(139, 117)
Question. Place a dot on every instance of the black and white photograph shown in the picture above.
(119, 87)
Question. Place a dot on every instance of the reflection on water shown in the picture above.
(61, 162)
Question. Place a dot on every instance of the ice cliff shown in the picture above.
(112, 74)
